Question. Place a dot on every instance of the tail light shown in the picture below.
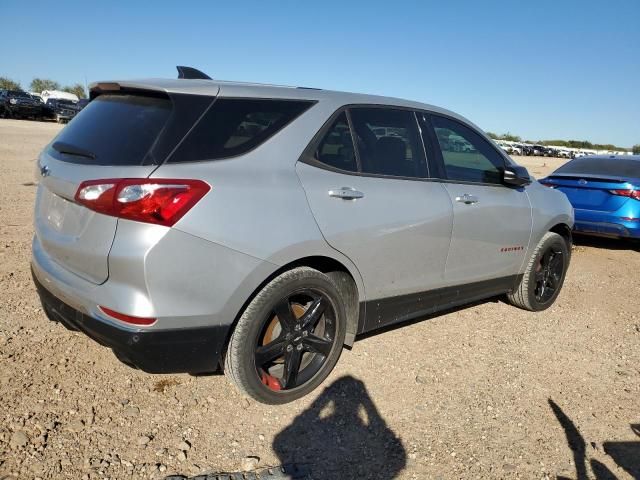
(159, 201)
(547, 184)
(635, 194)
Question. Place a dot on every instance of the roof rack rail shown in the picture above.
(192, 73)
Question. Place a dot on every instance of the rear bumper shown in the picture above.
(189, 350)
(605, 224)
(606, 229)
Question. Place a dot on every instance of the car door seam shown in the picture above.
(452, 216)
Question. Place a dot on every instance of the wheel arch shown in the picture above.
(564, 231)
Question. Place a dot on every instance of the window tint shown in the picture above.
(232, 127)
(467, 156)
(336, 148)
(115, 129)
(617, 167)
(388, 142)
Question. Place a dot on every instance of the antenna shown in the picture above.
(191, 73)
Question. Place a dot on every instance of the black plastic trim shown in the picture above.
(389, 311)
(188, 350)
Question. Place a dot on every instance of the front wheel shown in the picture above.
(544, 276)
(289, 338)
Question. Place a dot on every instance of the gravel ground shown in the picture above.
(487, 391)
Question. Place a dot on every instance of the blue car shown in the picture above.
(604, 192)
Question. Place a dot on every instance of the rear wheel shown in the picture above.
(289, 338)
(544, 276)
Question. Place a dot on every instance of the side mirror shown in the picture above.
(516, 176)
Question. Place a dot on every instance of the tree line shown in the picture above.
(40, 84)
(565, 143)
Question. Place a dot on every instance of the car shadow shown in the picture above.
(606, 242)
(342, 435)
(625, 454)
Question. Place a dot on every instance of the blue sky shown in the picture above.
(540, 69)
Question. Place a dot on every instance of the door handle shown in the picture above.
(346, 193)
(467, 199)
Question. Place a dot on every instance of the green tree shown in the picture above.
(8, 84)
(77, 90)
(492, 135)
(636, 149)
(41, 84)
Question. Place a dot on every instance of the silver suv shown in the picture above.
(192, 225)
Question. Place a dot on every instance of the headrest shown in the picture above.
(391, 147)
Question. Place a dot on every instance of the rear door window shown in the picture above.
(232, 127)
(388, 142)
(113, 130)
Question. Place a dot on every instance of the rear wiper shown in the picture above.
(72, 150)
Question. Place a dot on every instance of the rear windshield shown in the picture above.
(113, 130)
(232, 127)
(615, 167)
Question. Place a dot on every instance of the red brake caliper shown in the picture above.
(270, 381)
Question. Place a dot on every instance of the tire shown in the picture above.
(539, 288)
(298, 294)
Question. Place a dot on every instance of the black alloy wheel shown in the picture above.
(549, 273)
(297, 338)
(289, 337)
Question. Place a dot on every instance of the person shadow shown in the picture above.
(625, 454)
(341, 435)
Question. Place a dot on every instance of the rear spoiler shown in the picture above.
(592, 177)
(152, 85)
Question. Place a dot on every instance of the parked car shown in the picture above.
(509, 148)
(59, 95)
(19, 104)
(527, 150)
(168, 231)
(551, 152)
(516, 150)
(539, 151)
(61, 110)
(604, 192)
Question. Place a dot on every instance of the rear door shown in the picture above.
(376, 206)
(116, 136)
(492, 222)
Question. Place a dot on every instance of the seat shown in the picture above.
(390, 157)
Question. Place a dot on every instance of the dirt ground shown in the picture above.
(487, 391)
